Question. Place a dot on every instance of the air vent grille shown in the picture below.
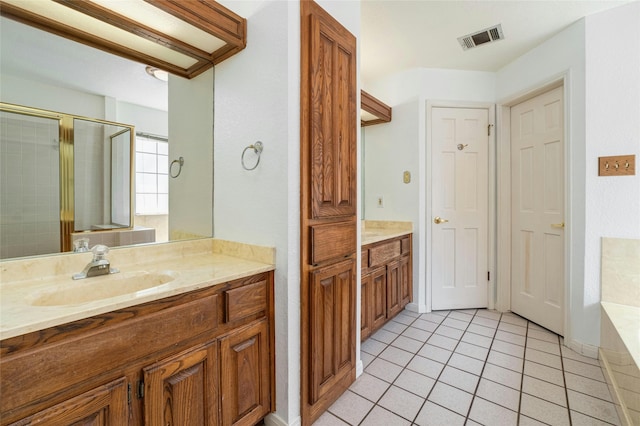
(488, 35)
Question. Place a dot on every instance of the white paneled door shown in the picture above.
(459, 221)
(537, 210)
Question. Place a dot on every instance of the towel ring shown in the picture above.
(180, 162)
(257, 148)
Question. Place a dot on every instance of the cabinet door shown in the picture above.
(183, 390)
(332, 333)
(393, 289)
(378, 298)
(366, 301)
(245, 375)
(102, 406)
(406, 278)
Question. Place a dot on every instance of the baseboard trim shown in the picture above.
(583, 348)
(359, 368)
(274, 420)
(414, 307)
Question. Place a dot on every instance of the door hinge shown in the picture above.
(488, 275)
(140, 389)
(489, 126)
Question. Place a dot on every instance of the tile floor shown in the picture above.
(472, 367)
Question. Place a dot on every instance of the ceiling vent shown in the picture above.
(476, 39)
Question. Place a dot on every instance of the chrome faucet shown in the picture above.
(98, 266)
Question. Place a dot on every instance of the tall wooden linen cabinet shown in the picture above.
(328, 209)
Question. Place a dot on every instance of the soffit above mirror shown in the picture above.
(184, 38)
(373, 110)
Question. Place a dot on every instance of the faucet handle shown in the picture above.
(99, 252)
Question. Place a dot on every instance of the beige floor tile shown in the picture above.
(443, 342)
(485, 322)
(425, 325)
(384, 336)
(442, 313)
(512, 328)
(401, 402)
(456, 323)
(395, 327)
(468, 364)
(404, 318)
(494, 315)
(515, 339)
(588, 386)
(593, 407)
(426, 367)
(416, 334)
(582, 369)
(407, 344)
(381, 417)
(543, 358)
(543, 335)
(472, 351)
(372, 347)
(488, 413)
(512, 318)
(435, 353)
(542, 372)
(395, 355)
(366, 358)
(506, 361)
(328, 419)
(502, 376)
(508, 348)
(499, 394)
(528, 421)
(544, 390)
(369, 387)
(543, 411)
(434, 415)
(453, 333)
(415, 383)
(462, 315)
(459, 379)
(481, 330)
(571, 354)
(476, 339)
(351, 407)
(580, 419)
(452, 398)
(543, 346)
(384, 370)
(431, 317)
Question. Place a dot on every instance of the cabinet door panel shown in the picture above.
(102, 406)
(378, 298)
(406, 278)
(183, 390)
(245, 375)
(333, 133)
(332, 322)
(366, 301)
(393, 289)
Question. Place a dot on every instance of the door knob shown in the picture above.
(557, 225)
(438, 220)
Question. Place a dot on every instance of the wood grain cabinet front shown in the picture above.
(195, 359)
(387, 282)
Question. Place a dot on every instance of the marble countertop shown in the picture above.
(374, 231)
(37, 293)
(626, 320)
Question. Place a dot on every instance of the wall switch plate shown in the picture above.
(379, 201)
(618, 165)
(406, 176)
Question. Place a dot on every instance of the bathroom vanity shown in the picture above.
(194, 346)
(387, 273)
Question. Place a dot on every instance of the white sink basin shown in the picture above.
(74, 292)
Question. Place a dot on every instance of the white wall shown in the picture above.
(612, 127)
(257, 97)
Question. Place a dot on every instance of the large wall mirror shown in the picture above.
(171, 119)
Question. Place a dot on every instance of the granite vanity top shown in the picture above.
(374, 231)
(37, 293)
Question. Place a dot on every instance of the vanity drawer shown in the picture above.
(332, 241)
(364, 258)
(383, 253)
(406, 245)
(245, 301)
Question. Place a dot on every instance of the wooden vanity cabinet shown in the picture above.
(200, 358)
(387, 282)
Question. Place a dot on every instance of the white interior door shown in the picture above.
(459, 222)
(537, 210)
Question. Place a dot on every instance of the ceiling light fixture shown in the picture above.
(158, 73)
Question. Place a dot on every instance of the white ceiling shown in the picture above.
(402, 34)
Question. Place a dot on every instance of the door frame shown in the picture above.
(491, 229)
(503, 189)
